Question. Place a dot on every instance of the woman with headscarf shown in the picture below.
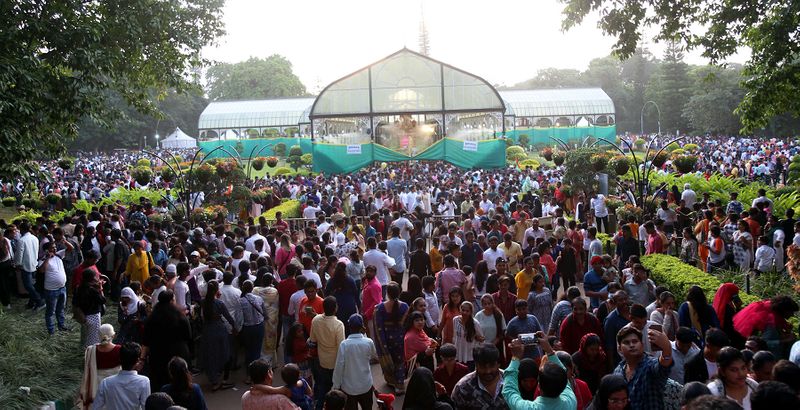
(90, 301)
(131, 315)
(426, 394)
(697, 314)
(167, 334)
(528, 378)
(100, 361)
(590, 360)
(726, 304)
(769, 319)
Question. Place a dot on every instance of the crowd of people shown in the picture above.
(470, 289)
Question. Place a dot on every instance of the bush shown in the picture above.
(620, 164)
(167, 174)
(279, 149)
(53, 199)
(529, 164)
(290, 209)
(679, 151)
(142, 175)
(678, 277)
(9, 201)
(283, 171)
(672, 147)
(639, 143)
(690, 147)
(524, 140)
(684, 163)
(307, 159)
(515, 153)
(296, 150)
(144, 162)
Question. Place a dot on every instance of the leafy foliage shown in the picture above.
(63, 58)
(768, 28)
(253, 79)
(515, 153)
(620, 164)
(578, 175)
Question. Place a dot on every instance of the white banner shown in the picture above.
(471, 146)
(354, 150)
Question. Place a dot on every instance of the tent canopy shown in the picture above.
(178, 139)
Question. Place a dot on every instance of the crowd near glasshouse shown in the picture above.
(469, 289)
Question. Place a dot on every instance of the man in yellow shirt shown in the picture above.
(524, 279)
(512, 251)
(328, 333)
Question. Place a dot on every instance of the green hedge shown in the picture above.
(290, 209)
(678, 277)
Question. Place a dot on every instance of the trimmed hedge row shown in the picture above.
(290, 209)
(679, 277)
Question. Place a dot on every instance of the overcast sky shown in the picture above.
(503, 41)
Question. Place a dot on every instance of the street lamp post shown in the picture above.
(642, 117)
(157, 136)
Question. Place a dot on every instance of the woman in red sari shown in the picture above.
(768, 318)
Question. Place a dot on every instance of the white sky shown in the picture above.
(503, 41)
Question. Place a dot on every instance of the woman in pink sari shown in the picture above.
(284, 255)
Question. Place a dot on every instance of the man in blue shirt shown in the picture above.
(127, 389)
(352, 373)
(593, 283)
(616, 320)
(646, 375)
(524, 323)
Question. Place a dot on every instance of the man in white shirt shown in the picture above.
(600, 213)
(55, 290)
(127, 389)
(534, 231)
(26, 256)
(181, 288)
(381, 261)
(311, 210)
(322, 226)
(352, 373)
(485, 204)
(493, 253)
(688, 196)
(250, 243)
(404, 225)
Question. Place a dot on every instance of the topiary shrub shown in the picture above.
(306, 159)
(279, 149)
(639, 143)
(295, 156)
(515, 153)
(9, 201)
(529, 164)
(66, 163)
(684, 163)
(283, 171)
(690, 147)
(144, 162)
(289, 209)
(53, 199)
(672, 147)
(679, 151)
(524, 140)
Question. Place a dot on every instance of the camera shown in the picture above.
(529, 339)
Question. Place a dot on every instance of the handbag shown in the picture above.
(78, 315)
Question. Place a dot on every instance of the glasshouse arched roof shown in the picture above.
(406, 82)
(557, 102)
(279, 112)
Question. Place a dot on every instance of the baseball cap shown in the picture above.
(595, 260)
(172, 269)
(194, 253)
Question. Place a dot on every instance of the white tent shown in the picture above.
(178, 139)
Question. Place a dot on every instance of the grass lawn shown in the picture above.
(7, 213)
(51, 366)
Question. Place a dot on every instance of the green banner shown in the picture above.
(569, 135)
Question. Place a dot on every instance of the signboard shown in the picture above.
(471, 146)
(354, 150)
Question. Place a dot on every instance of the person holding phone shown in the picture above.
(556, 391)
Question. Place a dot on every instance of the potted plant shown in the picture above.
(53, 198)
(660, 159)
(558, 158)
(142, 175)
(272, 162)
(684, 163)
(167, 174)
(620, 164)
(598, 162)
(204, 173)
(9, 201)
(258, 163)
(66, 163)
(547, 153)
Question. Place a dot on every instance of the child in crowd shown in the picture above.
(297, 349)
(300, 389)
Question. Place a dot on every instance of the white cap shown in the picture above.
(171, 268)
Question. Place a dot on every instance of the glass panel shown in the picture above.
(406, 82)
(465, 92)
(407, 133)
(342, 130)
(347, 96)
(475, 126)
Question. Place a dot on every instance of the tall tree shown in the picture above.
(669, 88)
(60, 60)
(253, 79)
(768, 28)
(715, 94)
(606, 73)
(552, 78)
(636, 73)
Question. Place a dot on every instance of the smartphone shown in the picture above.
(653, 346)
(529, 339)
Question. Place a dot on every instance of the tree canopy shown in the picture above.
(771, 77)
(61, 60)
(255, 78)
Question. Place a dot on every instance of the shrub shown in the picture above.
(142, 175)
(53, 199)
(624, 212)
(144, 162)
(639, 143)
(290, 209)
(296, 150)
(515, 153)
(678, 277)
(620, 165)
(609, 246)
(672, 147)
(279, 149)
(66, 163)
(283, 171)
(9, 201)
(307, 159)
(684, 163)
(529, 164)
(258, 163)
(524, 140)
(167, 174)
(690, 147)
(679, 151)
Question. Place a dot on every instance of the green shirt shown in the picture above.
(565, 401)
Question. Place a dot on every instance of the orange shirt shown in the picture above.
(315, 304)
